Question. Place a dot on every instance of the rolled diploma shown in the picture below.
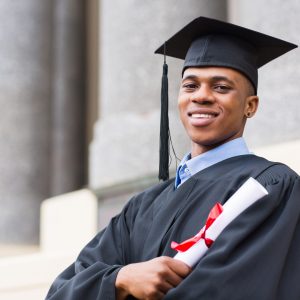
(246, 195)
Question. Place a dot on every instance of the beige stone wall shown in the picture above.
(125, 144)
(278, 117)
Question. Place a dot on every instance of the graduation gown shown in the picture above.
(256, 257)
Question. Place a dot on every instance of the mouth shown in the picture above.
(202, 118)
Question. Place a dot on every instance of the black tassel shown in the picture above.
(164, 127)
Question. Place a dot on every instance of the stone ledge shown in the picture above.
(13, 250)
(68, 222)
(30, 276)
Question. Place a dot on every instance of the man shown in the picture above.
(256, 256)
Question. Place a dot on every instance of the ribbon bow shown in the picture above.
(185, 245)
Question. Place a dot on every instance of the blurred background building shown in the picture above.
(80, 98)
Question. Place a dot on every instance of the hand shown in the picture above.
(150, 280)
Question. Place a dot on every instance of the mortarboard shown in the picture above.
(209, 42)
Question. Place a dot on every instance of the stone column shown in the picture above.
(126, 136)
(25, 61)
(68, 103)
(278, 118)
(42, 98)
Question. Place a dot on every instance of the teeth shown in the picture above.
(202, 116)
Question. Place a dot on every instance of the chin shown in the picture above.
(206, 141)
(210, 142)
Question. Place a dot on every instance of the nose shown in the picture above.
(202, 95)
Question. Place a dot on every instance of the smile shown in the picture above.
(202, 116)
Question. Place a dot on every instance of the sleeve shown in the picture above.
(92, 276)
(256, 256)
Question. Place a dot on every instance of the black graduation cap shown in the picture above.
(209, 42)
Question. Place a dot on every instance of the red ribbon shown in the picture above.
(185, 245)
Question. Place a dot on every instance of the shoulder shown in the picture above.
(145, 199)
(282, 183)
(268, 172)
(153, 191)
(276, 172)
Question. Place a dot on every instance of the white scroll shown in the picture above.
(246, 195)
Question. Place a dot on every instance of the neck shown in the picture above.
(198, 149)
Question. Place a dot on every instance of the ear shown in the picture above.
(251, 106)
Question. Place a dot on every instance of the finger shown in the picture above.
(165, 286)
(155, 295)
(158, 296)
(173, 279)
(179, 267)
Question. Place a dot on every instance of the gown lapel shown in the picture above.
(167, 206)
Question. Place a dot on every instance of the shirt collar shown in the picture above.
(198, 163)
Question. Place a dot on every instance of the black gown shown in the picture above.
(256, 257)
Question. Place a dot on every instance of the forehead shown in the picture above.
(213, 73)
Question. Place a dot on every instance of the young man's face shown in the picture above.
(213, 105)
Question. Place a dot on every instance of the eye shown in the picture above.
(189, 86)
(222, 88)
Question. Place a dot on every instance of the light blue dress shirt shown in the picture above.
(190, 166)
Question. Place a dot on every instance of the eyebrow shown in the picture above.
(220, 78)
(189, 77)
(213, 78)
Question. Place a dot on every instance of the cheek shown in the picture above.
(234, 111)
(181, 104)
(180, 98)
